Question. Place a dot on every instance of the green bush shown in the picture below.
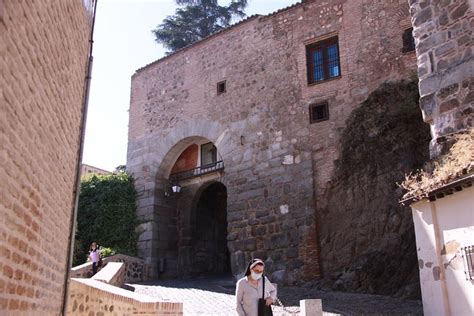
(106, 215)
(107, 252)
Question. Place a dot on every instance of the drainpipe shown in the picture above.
(77, 187)
(438, 247)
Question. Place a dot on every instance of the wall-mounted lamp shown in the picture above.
(175, 189)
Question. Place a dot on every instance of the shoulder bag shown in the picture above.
(263, 308)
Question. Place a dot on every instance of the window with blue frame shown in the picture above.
(323, 60)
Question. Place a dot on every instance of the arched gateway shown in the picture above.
(232, 205)
(183, 156)
(195, 242)
(203, 249)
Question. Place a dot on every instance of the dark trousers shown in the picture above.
(94, 268)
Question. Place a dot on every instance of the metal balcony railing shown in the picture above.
(199, 171)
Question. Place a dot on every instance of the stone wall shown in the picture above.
(44, 57)
(443, 33)
(103, 295)
(113, 273)
(367, 238)
(92, 297)
(278, 166)
(135, 269)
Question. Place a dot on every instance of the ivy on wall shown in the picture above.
(106, 215)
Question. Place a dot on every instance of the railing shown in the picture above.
(468, 254)
(199, 171)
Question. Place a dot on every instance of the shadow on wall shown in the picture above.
(367, 238)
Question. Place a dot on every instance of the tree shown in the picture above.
(196, 20)
(106, 215)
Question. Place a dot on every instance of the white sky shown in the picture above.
(123, 42)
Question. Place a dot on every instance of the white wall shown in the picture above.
(442, 227)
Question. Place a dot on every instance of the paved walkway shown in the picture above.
(215, 296)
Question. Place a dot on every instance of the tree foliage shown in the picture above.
(195, 20)
(106, 215)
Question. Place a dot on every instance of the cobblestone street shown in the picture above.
(215, 296)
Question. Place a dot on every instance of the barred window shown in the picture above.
(323, 60)
(318, 112)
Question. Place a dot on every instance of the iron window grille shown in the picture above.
(468, 256)
(408, 41)
(323, 60)
(318, 112)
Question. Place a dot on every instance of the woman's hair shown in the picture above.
(253, 262)
(96, 246)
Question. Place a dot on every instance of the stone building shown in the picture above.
(45, 49)
(441, 198)
(443, 32)
(248, 122)
(90, 170)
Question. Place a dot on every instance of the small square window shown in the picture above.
(221, 87)
(408, 41)
(318, 112)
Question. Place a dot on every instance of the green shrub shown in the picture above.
(107, 252)
(106, 215)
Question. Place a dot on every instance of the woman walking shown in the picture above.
(250, 289)
(94, 255)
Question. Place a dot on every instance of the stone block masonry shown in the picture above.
(278, 166)
(443, 33)
(44, 48)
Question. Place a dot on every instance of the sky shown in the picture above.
(123, 43)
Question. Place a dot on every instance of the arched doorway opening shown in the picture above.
(192, 221)
(209, 244)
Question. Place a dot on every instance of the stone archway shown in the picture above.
(194, 164)
(209, 224)
(151, 161)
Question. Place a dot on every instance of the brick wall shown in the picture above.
(277, 165)
(443, 32)
(44, 55)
